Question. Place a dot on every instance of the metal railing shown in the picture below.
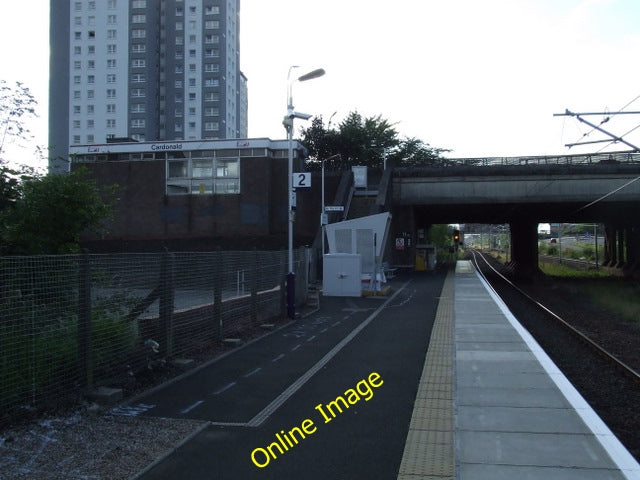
(581, 159)
(72, 322)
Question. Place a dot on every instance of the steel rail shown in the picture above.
(571, 262)
(599, 349)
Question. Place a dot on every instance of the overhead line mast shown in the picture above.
(615, 138)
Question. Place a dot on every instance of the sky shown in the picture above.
(482, 78)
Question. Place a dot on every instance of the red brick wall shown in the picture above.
(145, 214)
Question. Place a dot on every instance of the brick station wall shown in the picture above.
(146, 219)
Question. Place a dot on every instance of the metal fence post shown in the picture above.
(217, 295)
(166, 303)
(85, 367)
(254, 287)
(283, 282)
(307, 274)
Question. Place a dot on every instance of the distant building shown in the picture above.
(544, 229)
(197, 194)
(149, 70)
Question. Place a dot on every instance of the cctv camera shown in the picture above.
(302, 116)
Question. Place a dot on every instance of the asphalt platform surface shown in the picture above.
(273, 406)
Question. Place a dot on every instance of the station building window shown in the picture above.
(202, 172)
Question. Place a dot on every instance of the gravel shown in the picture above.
(89, 445)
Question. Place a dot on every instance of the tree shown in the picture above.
(42, 214)
(17, 104)
(357, 141)
(367, 141)
(53, 211)
(10, 179)
(413, 152)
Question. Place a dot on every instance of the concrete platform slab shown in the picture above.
(516, 366)
(493, 379)
(511, 472)
(488, 357)
(486, 333)
(530, 419)
(492, 346)
(481, 319)
(530, 448)
(511, 397)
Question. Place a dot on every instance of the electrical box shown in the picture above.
(425, 258)
(342, 274)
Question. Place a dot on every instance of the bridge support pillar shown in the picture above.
(622, 248)
(524, 248)
(620, 234)
(610, 250)
(633, 249)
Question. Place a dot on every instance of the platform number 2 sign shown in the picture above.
(302, 180)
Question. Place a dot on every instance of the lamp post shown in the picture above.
(323, 215)
(288, 125)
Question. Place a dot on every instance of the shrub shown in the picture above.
(39, 350)
(112, 337)
(588, 252)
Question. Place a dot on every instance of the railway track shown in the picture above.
(610, 386)
(570, 262)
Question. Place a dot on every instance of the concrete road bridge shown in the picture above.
(522, 192)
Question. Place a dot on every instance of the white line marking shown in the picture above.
(191, 407)
(405, 301)
(311, 338)
(295, 386)
(295, 348)
(227, 424)
(132, 410)
(278, 357)
(336, 324)
(324, 330)
(224, 389)
(253, 372)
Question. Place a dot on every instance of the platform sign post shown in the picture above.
(301, 180)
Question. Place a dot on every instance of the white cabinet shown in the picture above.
(342, 275)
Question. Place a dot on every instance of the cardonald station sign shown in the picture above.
(137, 147)
(166, 146)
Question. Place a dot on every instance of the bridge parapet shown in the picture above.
(581, 159)
(523, 169)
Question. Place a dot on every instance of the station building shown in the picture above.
(197, 194)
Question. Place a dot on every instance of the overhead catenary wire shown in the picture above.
(606, 195)
(630, 103)
(623, 135)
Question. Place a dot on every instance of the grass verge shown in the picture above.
(620, 296)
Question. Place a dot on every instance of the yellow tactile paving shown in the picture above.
(429, 448)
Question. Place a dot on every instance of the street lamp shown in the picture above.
(288, 125)
(323, 215)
